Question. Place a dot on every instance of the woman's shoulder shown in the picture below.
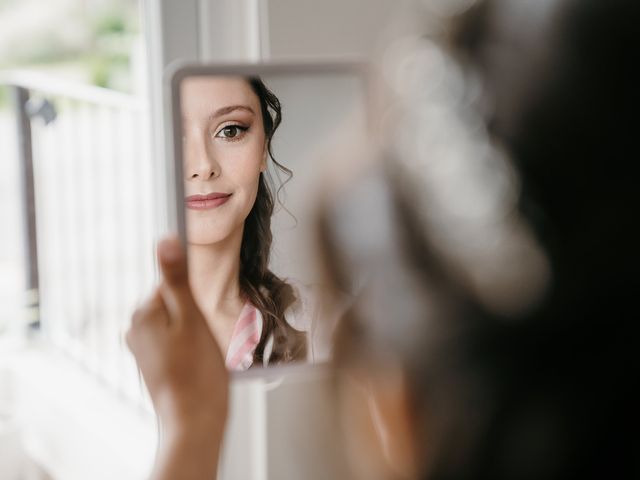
(306, 302)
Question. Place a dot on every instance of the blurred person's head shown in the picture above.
(492, 247)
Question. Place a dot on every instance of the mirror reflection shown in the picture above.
(248, 147)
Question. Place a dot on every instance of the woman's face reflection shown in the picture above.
(225, 151)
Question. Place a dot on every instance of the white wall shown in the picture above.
(329, 28)
(251, 30)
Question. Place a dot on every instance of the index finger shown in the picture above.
(175, 289)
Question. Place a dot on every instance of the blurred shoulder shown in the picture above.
(309, 313)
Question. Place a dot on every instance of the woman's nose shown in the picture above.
(200, 163)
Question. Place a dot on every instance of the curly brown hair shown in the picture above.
(264, 289)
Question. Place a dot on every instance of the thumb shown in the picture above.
(175, 288)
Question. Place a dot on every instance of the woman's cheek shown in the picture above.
(244, 166)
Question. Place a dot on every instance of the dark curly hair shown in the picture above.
(264, 289)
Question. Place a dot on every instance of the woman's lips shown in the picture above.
(205, 202)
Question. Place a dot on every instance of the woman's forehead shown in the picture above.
(205, 95)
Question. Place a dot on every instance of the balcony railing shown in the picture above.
(90, 218)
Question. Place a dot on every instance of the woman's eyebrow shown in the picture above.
(231, 108)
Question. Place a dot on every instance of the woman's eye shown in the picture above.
(231, 131)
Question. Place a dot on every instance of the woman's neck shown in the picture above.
(214, 275)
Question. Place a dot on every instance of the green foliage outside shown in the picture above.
(99, 53)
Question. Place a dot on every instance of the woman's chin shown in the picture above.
(203, 238)
(201, 233)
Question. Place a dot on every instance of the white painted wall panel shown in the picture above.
(330, 28)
